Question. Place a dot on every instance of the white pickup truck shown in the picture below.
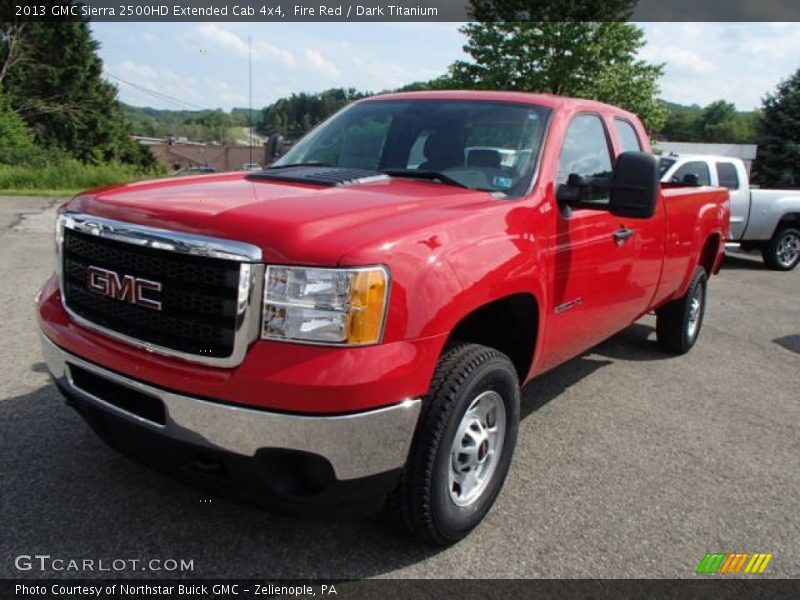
(767, 220)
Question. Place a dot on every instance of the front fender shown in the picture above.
(491, 270)
(440, 277)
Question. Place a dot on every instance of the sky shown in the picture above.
(205, 65)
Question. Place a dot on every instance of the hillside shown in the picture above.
(198, 126)
(292, 116)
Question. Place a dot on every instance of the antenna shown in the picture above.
(250, 86)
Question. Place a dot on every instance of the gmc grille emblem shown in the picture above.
(126, 288)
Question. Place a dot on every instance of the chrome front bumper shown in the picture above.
(357, 445)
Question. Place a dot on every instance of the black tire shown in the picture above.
(423, 500)
(677, 325)
(776, 253)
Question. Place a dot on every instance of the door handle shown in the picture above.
(623, 234)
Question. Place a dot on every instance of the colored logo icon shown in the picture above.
(734, 562)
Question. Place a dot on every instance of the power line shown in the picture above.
(141, 98)
(159, 95)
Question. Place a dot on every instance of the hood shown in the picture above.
(292, 223)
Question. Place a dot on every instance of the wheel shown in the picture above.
(678, 323)
(782, 252)
(463, 445)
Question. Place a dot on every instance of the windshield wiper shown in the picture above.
(430, 175)
(305, 164)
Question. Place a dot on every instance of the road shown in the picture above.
(630, 463)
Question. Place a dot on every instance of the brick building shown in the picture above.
(222, 157)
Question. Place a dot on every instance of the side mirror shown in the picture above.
(634, 186)
(570, 194)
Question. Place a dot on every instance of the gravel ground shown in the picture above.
(640, 464)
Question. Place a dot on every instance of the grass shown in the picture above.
(38, 192)
(66, 178)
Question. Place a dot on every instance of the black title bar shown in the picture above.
(428, 589)
(399, 10)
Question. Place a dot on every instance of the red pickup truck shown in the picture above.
(355, 322)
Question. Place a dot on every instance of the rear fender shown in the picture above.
(770, 208)
(711, 232)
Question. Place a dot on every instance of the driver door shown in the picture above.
(591, 254)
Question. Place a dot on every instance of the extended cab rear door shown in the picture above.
(731, 174)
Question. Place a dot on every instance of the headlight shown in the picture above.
(59, 241)
(328, 306)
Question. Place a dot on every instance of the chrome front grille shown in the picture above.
(208, 293)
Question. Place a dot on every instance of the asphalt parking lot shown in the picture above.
(630, 463)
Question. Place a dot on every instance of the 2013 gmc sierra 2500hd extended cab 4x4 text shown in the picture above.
(356, 320)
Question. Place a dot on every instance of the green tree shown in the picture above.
(718, 122)
(591, 59)
(778, 161)
(443, 82)
(16, 140)
(53, 79)
(715, 119)
(552, 10)
(682, 123)
(295, 115)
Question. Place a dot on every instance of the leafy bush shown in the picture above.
(16, 139)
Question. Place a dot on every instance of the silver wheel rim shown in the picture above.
(695, 312)
(476, 448)
(788, 249)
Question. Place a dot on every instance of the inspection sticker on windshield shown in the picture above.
(502, 182)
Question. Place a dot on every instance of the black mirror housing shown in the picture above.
(634, 186)
(569, 194)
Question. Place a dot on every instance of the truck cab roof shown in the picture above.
(547, 100)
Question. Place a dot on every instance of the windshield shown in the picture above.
(664, 164)
(481, 145)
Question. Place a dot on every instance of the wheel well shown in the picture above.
(793, 218)
(509, 325)
(708, 257)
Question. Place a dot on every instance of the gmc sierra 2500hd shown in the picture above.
(763, 219)
(355, 321)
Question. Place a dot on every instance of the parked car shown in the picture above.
(761, 219)
(198, 170)
(251, 167)
(341, 328)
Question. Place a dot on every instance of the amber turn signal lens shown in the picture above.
(367, 306)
